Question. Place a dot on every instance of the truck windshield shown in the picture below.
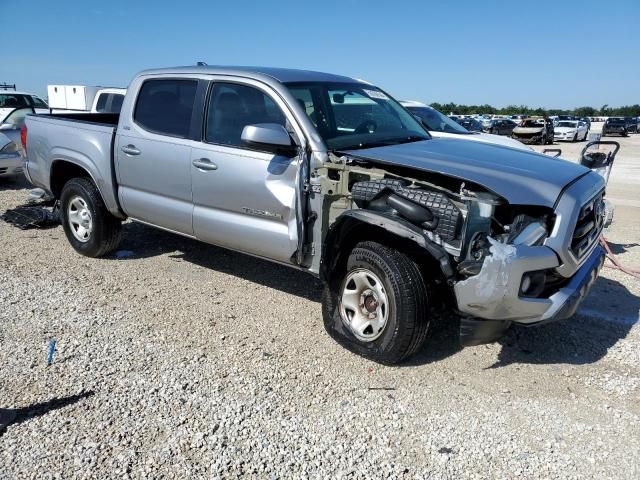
(353, 115)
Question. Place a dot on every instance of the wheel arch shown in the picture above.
(355, 226)
(63, 169)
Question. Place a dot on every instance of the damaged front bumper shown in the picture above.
(528, 139)
(495, 292)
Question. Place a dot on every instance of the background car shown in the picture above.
(502, 126)
(534, 130)
(631, 124)
(615, 126)
(439, 126)
(10, 158)
(586, 120)
(570, 131)
(13, 122)
(471, 124)
(9, 101)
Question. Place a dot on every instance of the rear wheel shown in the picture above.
(378, 306)
(88, 225)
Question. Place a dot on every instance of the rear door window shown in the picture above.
(165, 106)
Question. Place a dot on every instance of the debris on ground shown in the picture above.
(32, 216)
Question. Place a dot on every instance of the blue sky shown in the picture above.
(554, 54)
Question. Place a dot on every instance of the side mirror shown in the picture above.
(271, 137)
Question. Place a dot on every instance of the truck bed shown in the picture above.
(110, 119)
(81, 139)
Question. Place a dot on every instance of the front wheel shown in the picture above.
(90, 228)
(543, 140)
(378, 306)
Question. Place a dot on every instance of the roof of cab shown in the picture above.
(283, 75)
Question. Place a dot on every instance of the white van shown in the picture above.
(85, 99)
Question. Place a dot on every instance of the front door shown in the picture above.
(244, 198)
(153, 154)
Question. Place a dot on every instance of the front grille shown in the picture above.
(588, 227)
(3, 170)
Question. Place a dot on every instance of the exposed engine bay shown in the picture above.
(462, 218)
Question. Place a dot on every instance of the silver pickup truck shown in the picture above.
(330, 175)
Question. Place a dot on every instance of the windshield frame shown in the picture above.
(320, 98)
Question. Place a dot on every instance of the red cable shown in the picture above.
(615, 263)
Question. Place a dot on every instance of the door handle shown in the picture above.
(130, 150)
(204, 164)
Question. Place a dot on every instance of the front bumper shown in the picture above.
(537, 138)
(494, 293)
(564, 137)
(10, 164)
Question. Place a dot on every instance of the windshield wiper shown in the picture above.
(409, 139)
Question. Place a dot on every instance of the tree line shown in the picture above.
(604, 111)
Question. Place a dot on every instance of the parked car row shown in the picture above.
(439, 125)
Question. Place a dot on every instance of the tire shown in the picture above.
(403, 289)
(575, 137)
(90, 228)
(543, 140)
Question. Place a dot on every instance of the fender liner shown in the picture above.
(391, 224)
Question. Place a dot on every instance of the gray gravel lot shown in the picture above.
(185, 360)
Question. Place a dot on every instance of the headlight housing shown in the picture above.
(10, 147)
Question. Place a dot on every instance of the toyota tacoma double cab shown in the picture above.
(332, 176)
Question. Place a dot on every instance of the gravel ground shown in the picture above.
(185, 360)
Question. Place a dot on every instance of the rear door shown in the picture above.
(153, 152)
(244, 198)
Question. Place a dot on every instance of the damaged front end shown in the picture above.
(504, 263)
(528, 136)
